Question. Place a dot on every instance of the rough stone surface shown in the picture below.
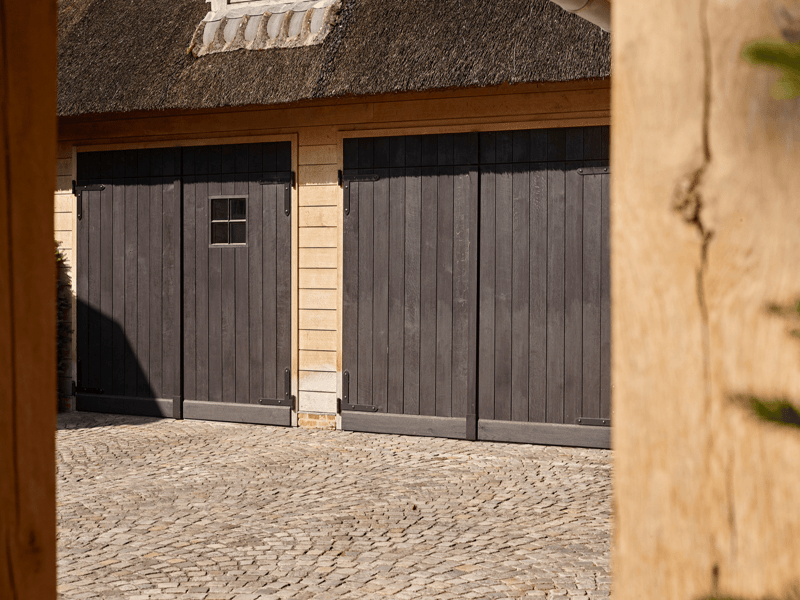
(157, 509)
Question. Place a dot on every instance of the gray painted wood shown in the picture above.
(131, 266)
(592, 291)
(202, 296)
(255, 295)
(171, 257)
(366, 249)
(444, 284)
(190, 298)
(428, 251)
(214, 294)
(555, 291)
(545, 434)
(537, 346)
(228, 293)
(125, 405)
(238, 413)
(465, 192)
(486, 334)
(446, 427)
(156, 287)
(92, 214)
(283, 259)
(605, 304)
(504, 230)
(411, 300)
(573, 282)
(396, 290)
(118, 341)
(269, 271)
(242, 289)
(106, 286)
(350, 283)
(143, 281)
(380, 283)
(520, 282)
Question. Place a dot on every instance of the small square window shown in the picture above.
(228, 221)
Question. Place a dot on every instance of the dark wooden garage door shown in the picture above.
(502, 338)
(198, 240)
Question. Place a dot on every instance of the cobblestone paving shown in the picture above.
(157, 509)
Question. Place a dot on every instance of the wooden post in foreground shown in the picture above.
(27, 299)
(706, 275)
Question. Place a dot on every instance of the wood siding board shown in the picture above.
(521, 146)
(255, 258)
(365, 287)
(487, 148)
(350, 283)
(319, 340)
(520, 287)
(318, 237)
(82, 288)
(106, 284)
(574, 143)
(270, 158)
(396, 288)
(465, 189)
(397, 151)
(411, 300)
(317, 299)
(537, 369)
(504, 261)
(538, 145)
(573, 284)
(228, 289)
(413, 151)
(118, 340)
(444, 291)
(189, 288)
(592, 143)
(428, 284)
(92, 213)
(143, 283)
(365, 153)
(486, 356)
(171, 257)
(592, 289)
(381, 150)
(242, 284)
(555, 292)
(214, 294)
(156, 283)
(131, 280)
(283, 261)
(504, 147)
(605, 304)
(323, 320)
(466, 148)
(350, 153)
(203, 295)
(380, 282)
(269, 270)
(317, 381)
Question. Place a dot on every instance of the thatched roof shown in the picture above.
(125, 55)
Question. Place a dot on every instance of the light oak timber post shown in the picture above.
(27, 299)
(705, 237)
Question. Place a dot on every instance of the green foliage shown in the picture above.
(781, 55)
(776, 411)
(63, 316)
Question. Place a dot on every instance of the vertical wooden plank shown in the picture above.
(465, 191)
(156, 286)
(190, 291)
(228, 295)
(143, 388)
(411, 299)
(255, 258)
(428, 257)
(380, 282)
(487, 292)
(269, 276)
(520, 288)
(242, 289)
(118, 284)
(131, 279)
(92, 213)
(350, 291)
(106, 285)
(504, 261)
(283, 249)
(214, 294)
(396, 290)
(592, 290)
(202, 296)
(365, 289)
(573, 290)
(444, 292)
(170, 261)
(537, 367)
(82, 287)
(555, 292)
(605, 306)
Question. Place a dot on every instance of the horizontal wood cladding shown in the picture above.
(506, 103)
(318, 237)
(318, 216)
(311, 175)
(318, 319)
(64, 203)
(318, 340)
(317, 381)
(321, 402)
(318, 279)
(324, 299)
(322, 195)
(318, 258)
(317, 360)
(63, 221)
(319, 155)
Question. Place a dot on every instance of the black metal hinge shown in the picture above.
(288, 182)
(344, 402)
(77, 191)
(85, 390)
(288, 399)
(344, 183)
(593, 171)
(593, 422)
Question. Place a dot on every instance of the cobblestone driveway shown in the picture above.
(161, 509)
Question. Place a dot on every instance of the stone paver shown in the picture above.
(156, 509)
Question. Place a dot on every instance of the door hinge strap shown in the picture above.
(77, 191)
(277, 401)
(593, 422)
(593, 171)
(288, 182)
(344, 402)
